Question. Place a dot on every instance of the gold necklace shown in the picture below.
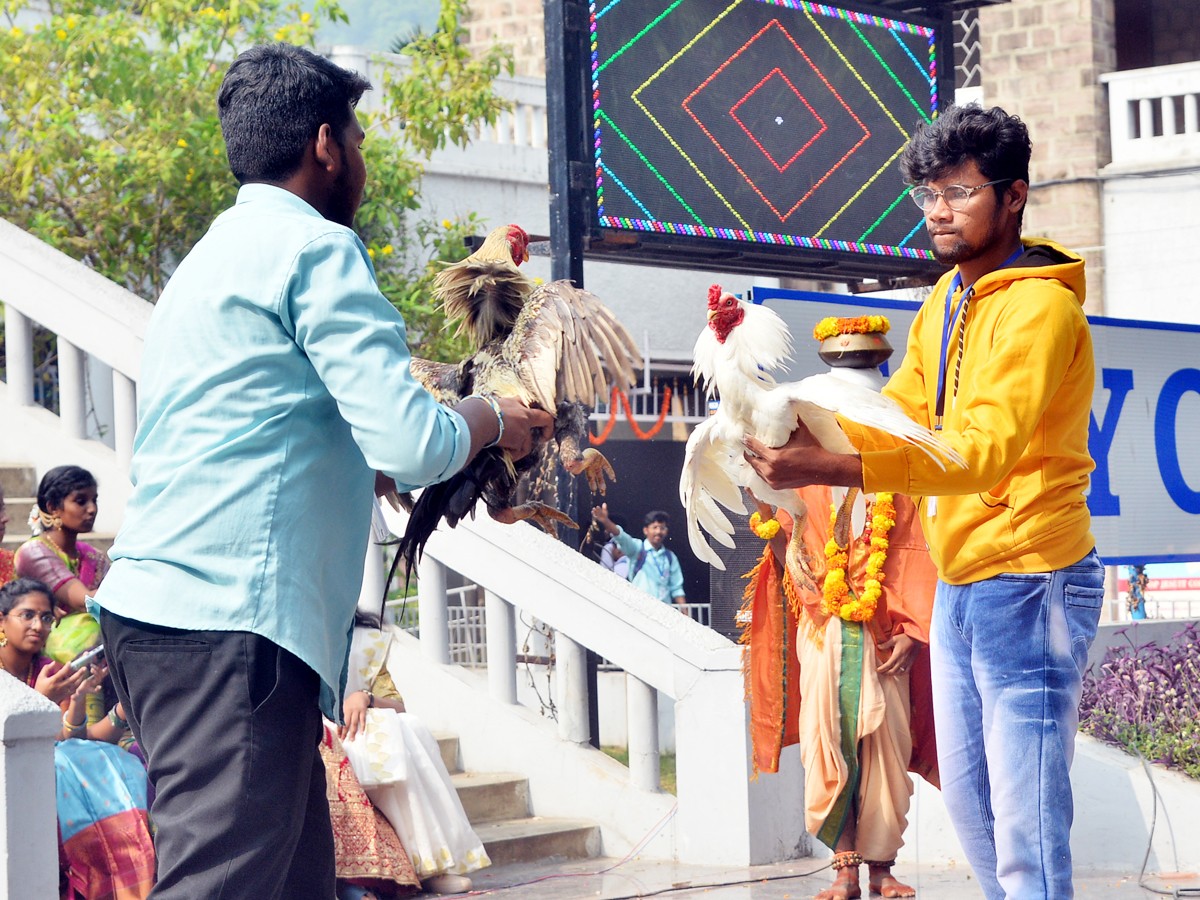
(28, 678)
(72, 563)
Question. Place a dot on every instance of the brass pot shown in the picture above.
(855, 351)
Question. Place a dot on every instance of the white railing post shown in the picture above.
(72, 396)
(28, 824)
(570, 674)
(124, 417)
(431, 603)
(520, 124)
(501, 648)
(761, 820)
(641, 702)
(370, 595)
(18, 349)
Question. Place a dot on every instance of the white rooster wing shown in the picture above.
(815, 400)
(711, 475)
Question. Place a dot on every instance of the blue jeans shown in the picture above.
(1008, 655)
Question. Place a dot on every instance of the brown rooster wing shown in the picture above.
(553, 346)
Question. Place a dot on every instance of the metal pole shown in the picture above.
(565, 23)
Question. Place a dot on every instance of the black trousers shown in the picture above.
(230, 726)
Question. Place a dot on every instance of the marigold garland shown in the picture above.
(619, 395)
(833, 326)
(765, 530)
(838, 599)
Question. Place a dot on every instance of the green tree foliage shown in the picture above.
(111, 150)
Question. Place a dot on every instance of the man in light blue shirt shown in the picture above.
(275, 390)
(652, 567)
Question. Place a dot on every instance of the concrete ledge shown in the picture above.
(1121, 806)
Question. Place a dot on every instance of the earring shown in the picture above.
(56, 521)
(3, 639)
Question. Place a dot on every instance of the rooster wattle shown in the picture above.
(553, 346)
(734, 357)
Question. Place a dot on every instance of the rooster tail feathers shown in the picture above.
(483, 296)
(453, 499)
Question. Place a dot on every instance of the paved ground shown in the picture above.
(607, 879)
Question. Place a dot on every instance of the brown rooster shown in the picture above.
(553, 346)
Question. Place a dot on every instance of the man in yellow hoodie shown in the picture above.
(999, 361)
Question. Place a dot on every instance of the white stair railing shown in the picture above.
(93, 319)
(722, 815)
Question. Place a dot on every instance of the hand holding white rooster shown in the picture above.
(734, 357)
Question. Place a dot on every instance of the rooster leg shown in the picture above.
(841, 525)
(799, 560)
(591, 463)
(797, 557)
(540, 514)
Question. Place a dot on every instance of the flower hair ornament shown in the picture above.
(39, 522)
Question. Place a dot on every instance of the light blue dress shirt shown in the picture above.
(660, 575)
(275, 382)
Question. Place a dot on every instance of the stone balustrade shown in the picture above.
(1153, 116)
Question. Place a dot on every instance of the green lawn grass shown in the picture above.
(666, 766)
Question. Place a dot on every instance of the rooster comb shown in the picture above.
(714, 295)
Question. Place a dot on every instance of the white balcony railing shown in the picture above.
(1153, 116)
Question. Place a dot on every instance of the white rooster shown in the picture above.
(734, 357)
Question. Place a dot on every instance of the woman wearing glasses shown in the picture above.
(100, 790)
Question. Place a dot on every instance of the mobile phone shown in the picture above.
(85, 658)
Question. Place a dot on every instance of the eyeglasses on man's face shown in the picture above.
(955, 195)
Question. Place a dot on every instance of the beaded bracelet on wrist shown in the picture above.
(495, 405)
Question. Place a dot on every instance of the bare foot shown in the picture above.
(844, 887)
(887, 886)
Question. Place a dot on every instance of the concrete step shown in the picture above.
(18, 480)
(532, 839)
(492, 796)
(448, 744)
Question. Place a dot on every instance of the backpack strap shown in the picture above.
(638, 563)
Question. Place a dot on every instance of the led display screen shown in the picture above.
(761, 122)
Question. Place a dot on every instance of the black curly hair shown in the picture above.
(995, 140)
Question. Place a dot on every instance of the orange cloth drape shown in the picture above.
(776, 606)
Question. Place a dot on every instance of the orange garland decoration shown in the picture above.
(618, 394)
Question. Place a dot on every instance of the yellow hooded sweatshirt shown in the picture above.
(1019, 418)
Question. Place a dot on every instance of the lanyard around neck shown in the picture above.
(951, 326)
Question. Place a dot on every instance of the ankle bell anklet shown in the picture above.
(880, 863)
(846, 860)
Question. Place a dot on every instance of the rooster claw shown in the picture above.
(539, 514)
(595, 466)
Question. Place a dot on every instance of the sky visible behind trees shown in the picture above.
(377, 23)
